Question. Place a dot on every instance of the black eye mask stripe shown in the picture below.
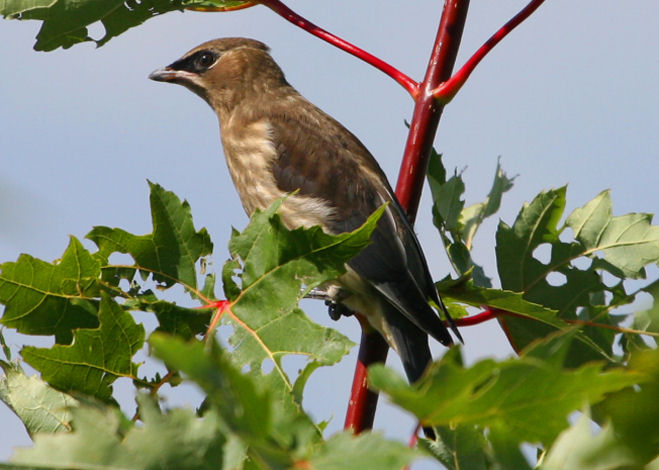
(196, 63)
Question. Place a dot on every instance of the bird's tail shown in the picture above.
(411, 344)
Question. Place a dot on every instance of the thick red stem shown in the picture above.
(363, 401)
(428, 110)
(282, 10)
(361, 409)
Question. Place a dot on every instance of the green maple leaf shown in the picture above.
(627, 244)
(169, 253)
(104, 438)
(66, 22)
(41, 408)
(276, 267)
(43, 298)
(521, 400)
(97, 356)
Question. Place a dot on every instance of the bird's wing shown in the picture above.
(322, 159)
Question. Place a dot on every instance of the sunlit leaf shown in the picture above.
(276, 268)
(41, 408)
(176, 439)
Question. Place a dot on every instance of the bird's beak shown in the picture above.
(166, 74)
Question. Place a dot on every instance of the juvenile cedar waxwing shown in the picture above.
(276, 142)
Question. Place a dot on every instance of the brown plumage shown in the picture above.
(276, 142)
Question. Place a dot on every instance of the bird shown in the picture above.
(277, 143)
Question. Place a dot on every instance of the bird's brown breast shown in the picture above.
(250, 153)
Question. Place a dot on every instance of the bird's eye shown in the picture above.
(205, 59)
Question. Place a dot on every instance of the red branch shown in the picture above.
(363, 401)
(406, 82)
(361, 409)
(430, 96)
(428, 110)
(447, 90)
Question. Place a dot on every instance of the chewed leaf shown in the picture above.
(66, 22)
(97, 356)
(43, 298)
(558, 280)
(171, 252)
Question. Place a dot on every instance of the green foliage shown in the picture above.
(553, 304)
(66, 22)
(458, 225)
(256, 415)
(253, 418)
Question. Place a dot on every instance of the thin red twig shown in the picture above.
(447, 90)
(486, 315)
(282, 10)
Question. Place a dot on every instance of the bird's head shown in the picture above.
(224, 72)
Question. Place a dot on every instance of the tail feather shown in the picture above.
(411, 344)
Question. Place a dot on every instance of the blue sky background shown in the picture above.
(569, 97)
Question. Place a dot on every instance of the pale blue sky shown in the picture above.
(569, 97)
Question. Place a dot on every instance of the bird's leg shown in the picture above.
(335, 308)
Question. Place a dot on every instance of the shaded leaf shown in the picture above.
(634, 412)
(96, 358)
(51, 299)
(459, 448)
(513, 302)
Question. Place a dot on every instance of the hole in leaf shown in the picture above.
(293, 364)
(609, 279)
(543, 253)
(556, 279)
(96, 31)
(567, 235)
(223, 332)
(582, 263)
(266, 366)
(121, 259)
(245, 368)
